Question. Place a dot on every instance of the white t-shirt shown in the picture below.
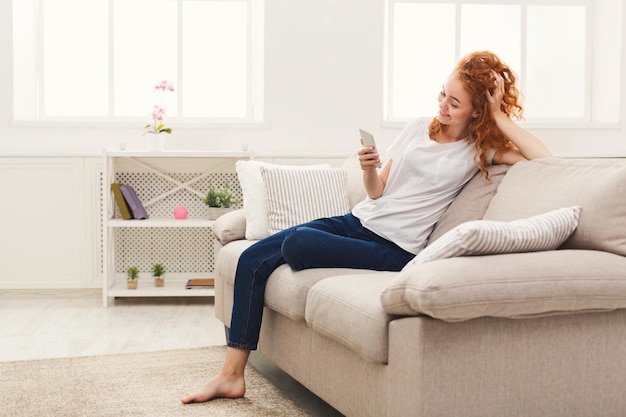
(425, 177)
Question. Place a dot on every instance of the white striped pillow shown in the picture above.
(296, 196)
(484, 237)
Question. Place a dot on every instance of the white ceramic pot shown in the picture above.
(215, 212)
(155, 142)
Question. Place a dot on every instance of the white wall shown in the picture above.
(323, 80)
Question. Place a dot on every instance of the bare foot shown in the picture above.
(221, 386)
(229, 382)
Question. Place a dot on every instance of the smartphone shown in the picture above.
(368, 140)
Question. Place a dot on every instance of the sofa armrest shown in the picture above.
(230, 226)
(519, 285)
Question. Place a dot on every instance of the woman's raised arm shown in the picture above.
(528, 145)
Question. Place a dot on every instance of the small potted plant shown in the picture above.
(157, 272)
(132, 275)
(219, 201)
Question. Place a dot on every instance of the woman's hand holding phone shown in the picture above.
(368, 156)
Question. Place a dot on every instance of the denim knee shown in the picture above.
(292, 249)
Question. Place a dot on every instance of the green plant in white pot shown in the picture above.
(219, 201)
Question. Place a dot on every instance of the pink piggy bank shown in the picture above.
(180, 213)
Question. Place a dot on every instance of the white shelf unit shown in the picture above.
(162, 180)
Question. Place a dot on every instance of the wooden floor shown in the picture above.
(37, 324)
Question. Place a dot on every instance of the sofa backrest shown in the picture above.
(541, 185)
(472, 201)
(356, 189)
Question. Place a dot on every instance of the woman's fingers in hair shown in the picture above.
(497, 91)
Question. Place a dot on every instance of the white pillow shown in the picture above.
(253, 190)
(483, 237)
(296, 196)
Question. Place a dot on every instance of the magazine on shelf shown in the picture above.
(200, 283)
(139, 212)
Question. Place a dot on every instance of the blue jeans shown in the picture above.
(335, 242)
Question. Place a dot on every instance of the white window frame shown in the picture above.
(255, 76)
(586, 121)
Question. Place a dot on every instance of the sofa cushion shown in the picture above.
(287, 290)
(347, 309)
(598, 186)
(472, 201)
(484, 237)
(518, 285)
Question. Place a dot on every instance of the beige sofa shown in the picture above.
(520, 334)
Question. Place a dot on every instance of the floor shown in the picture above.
(37, 324)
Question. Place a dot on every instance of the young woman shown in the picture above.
(429, 163)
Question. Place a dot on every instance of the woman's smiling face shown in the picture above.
(455, 104)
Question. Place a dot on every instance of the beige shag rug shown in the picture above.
(135, 384)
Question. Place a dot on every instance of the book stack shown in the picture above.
(127, 201)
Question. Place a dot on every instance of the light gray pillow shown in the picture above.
(254, 198)
(483, 237)
(296, 196)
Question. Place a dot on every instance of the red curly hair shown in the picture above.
(474, 71)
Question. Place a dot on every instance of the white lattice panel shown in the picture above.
(185, 251)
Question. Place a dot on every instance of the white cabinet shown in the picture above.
(49, 220)
(163, 181)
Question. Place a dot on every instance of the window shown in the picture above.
(565, 53)
(101, 61)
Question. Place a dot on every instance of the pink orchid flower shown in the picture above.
(164, 85)
(158, 113)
